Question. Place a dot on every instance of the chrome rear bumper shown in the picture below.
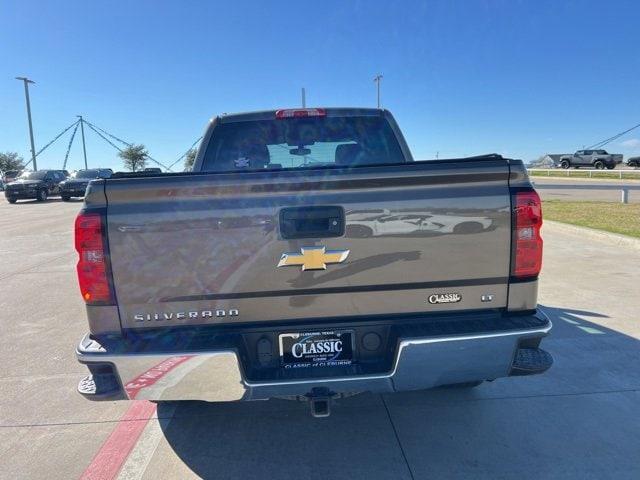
(420, 363)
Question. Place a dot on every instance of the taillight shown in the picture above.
(526, 261)
(92, 264)
(301, 112)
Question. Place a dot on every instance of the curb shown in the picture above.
(610, 238)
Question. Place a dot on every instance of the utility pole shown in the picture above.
(84, 148)
(377, 80)
(26, 95)
(304, 98)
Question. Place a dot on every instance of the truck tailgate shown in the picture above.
(205, 248)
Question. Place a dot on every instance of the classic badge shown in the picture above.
(444, 298)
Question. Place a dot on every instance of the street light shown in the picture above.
(26, 94)
(377, 80)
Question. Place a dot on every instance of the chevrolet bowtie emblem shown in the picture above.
(313, 258)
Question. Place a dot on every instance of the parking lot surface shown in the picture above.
(579, 420)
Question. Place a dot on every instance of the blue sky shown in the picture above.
(520, 78)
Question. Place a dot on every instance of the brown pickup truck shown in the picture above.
(308, 255)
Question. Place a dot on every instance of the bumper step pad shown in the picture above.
(100, 387)
(531, 361)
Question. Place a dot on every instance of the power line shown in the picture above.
(57, 137)
(187, 152)
(109, 134)
(52, 141)
(97, 130)
(103, 137)
(73, 135)
(102, 134)
(611, 139)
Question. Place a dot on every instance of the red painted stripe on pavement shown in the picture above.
(113, 453)
(115, 450)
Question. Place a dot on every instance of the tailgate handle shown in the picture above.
(311, 222)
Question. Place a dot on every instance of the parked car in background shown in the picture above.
(633, 162)
(598, 159)
(39, 185)
(153, 170)
(76, 185)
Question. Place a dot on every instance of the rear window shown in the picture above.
(302, 143)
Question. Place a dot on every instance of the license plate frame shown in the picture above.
(316, 349)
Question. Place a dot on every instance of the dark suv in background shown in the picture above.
(76, 185)
(39, 185)
(633, 162)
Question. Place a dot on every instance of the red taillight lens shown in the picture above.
(92, 264)
(301, 112)
(527, 242)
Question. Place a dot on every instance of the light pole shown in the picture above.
(84, 148)
(377, 80)
(26, 94)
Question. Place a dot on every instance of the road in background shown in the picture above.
(580, 420)
(575, 189)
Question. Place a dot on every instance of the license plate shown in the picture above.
(316, 349)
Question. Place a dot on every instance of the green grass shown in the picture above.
(573, 173)
(612, 217)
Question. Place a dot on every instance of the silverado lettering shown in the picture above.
(140, 317)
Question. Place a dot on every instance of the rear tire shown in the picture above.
(610, 167)
(65, 198)
(565, 164)
(598, 165)
(42, 195)
(12, 200)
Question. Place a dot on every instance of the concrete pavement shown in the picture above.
(580, 420)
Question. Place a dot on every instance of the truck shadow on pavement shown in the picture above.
(47, 201)
(578, 420)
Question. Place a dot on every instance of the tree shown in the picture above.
(10, 161)
(134, 157)
(189, 160)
